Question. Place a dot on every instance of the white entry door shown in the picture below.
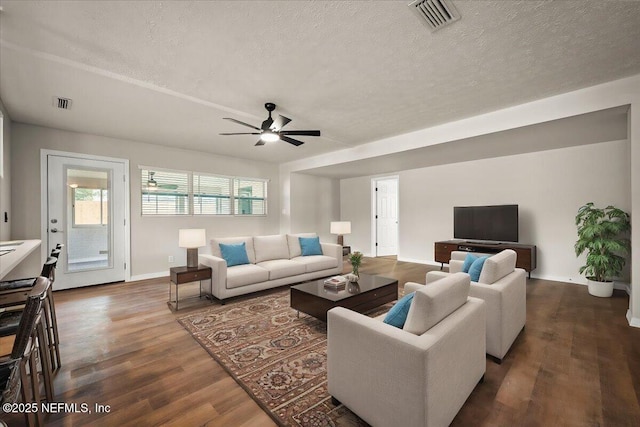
(86, 213)
(386, 216)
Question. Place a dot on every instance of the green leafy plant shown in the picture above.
(602, 234)
(355, 259)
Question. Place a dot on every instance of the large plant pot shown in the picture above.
(600, 289)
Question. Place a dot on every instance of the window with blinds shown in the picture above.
(165, 192)
(186, 193)
(211, 195)
(250, 196)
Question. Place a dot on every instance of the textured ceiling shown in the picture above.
(167, 72)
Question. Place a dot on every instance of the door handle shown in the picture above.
(55, 230)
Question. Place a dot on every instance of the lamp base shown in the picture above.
(340, 240)
(192, 257)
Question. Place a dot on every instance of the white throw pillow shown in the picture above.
(435, 302)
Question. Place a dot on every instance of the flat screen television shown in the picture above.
(486, 223)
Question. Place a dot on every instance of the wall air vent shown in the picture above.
(435, 13)
(62, 103)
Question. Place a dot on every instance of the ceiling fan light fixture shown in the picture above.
(269, 136)
(152, 183)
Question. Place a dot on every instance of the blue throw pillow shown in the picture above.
(398, 313)
(467, 262)
(310, 246)
(476, 268)
(234, 254)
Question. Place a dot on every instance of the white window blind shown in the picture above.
(211, 195)
(165, 192)
(250, 196)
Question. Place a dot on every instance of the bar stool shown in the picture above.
(22, 287)
(14, 377)
(10, 322)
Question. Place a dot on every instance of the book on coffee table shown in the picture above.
(335, 282)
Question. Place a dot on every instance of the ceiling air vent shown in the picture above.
(435, 13)
(63, 103)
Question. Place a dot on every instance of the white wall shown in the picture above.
(355, 206)
(548, 186)
(153, 239)
(5, 177)
(315, 202)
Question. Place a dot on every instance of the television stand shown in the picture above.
(526, 253)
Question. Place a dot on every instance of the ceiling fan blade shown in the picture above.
(242, 123)
(300, 132)
(280, 122)
(241, 133)
(267, 123)
(260, 142)
(291, 140)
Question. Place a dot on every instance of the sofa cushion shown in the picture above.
(279, 268)
(246, 274)
(310, 246)
(436, 301)
(248, 241)
(397, 316)
(498, 266)
(294, 243)
(271, 247)
(316, 262)
(476, 268)
(234, 254)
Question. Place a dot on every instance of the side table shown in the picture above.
(182, 275)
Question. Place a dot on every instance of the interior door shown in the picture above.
(386, 216)
(86, 213)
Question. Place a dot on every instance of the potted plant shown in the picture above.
(355, 259)
(602, 234)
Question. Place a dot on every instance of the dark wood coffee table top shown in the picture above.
(368, 293)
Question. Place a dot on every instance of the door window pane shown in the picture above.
(88, 227)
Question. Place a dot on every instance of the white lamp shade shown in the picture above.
(192, 237)
(341, 227)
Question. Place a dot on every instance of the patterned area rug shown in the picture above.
(278, 358)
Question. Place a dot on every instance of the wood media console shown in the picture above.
(526, 253)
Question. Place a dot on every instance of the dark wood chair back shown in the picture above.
(29, 317)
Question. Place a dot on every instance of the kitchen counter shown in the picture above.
(13, 252)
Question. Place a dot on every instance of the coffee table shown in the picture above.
(367, 293)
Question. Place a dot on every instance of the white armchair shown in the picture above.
(408, 377)
(503, 287)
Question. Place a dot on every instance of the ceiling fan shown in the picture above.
(271, 130)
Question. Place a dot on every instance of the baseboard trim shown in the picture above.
(148, 276)
(633, 321)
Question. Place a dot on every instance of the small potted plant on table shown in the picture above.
(602, 234)
(355, 259)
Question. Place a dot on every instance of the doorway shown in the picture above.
(385, 215)
(87, 212)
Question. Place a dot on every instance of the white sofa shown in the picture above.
(419, 375)
(503, 287)
(274, 261)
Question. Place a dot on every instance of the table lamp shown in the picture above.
(340, 228)
(192, 239)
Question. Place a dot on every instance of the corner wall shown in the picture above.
(5, 178)
(153, 239)
(315, 202)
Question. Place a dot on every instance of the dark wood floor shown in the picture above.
(576, 364)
